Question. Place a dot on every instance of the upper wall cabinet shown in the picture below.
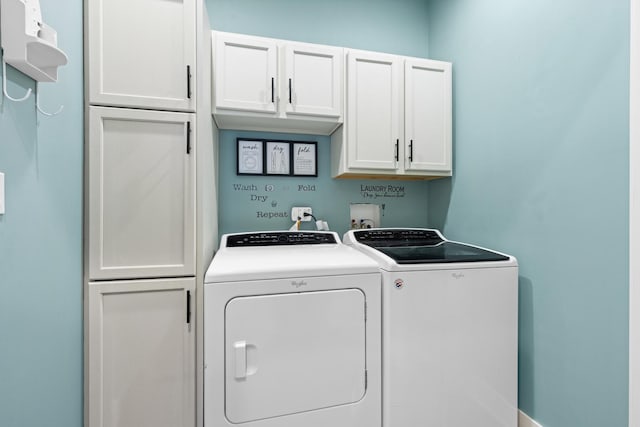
(275, 85)
(142, 63)
(374, 110)
(312, 80)
(245, 70)
(427, 116)
(398, 118)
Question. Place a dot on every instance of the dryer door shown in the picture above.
(291, 353)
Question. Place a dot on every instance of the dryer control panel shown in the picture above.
(280, 238)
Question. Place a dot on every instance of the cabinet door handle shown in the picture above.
(289, 91)
(273, 89)
(397, 149)
(188, 137)
(188, 81)
(411, 150)
(188, 307)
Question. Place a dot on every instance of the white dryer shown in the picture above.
(292, 333)
(450, 329)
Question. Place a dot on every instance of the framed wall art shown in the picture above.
(305, 158)
(278, 157)
(250, 154)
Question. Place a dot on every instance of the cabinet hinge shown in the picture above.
(188, 307)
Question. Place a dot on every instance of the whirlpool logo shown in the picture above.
(298, 284)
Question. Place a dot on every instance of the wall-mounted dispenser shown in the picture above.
(28, 44)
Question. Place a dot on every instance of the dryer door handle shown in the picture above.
(240, 356)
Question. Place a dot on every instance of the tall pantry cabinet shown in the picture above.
(150, 209)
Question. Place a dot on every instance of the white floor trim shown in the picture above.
(525, 421)
(634, 218)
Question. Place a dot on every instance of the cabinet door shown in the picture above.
(373, 110)
(141, 194)
(313, 80)
(142, 53)
(277, 367)
(245, 73)
(141, 354)
(427, 115)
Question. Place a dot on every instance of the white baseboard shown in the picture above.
(525, 421)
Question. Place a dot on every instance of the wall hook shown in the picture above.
(4, 85)
(41, 110)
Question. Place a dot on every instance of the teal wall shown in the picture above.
(541, 171)
(541, 143)
(394, 26)
(381, 25)
(41, 241)
(247, 201)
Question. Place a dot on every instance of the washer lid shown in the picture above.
(444, 252)
(420, 246)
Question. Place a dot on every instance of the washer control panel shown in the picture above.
(398, 237)
(280, 238)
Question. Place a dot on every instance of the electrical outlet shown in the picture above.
(299, 213)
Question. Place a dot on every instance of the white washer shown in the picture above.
(450, 329)
(292, 333)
